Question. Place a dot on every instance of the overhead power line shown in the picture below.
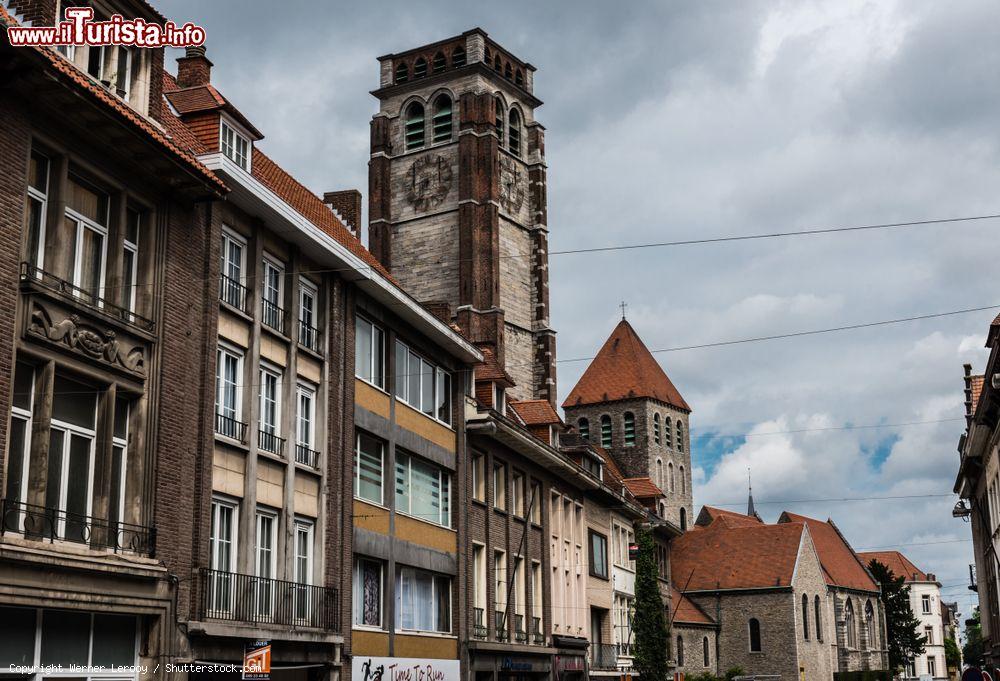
(833, 499)
(829, 428)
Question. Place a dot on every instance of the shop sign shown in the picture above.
(257, 661)
(367, 668)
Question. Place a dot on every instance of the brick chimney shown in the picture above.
(347, 204)
(194, 68)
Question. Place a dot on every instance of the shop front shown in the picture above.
(505, 665)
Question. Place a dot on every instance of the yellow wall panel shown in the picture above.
(372, 399)
(424, 426)
(371, 517)
(425, 534)
(434, 647)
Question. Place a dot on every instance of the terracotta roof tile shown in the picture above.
(724, 557)
(642, 488)
(898, 563)
(710, 514)
(536, 412)
(686, 611)
(120, 108)
(489, 369)
(201, 98)
(841, 564)
(624, 369)
(610, 465)
(976, 384)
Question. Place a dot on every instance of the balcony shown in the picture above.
(231, 428)
(520, 634)
(537, 637)
(306, 456)
(500, 622)
(603, 656)
(308, 336)
(270, 443)
(479, 629)
(52, 524)
(233, 293)
(272, 316)
(258, 601)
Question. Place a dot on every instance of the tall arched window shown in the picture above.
(420, 68)
(402, 73)
(414, 126)
(805, 617)
(606, 431)
(508, 72)
(514, 132)
(519, 78)
(458, 57)
(850, 624)
(440, 63)
(684, 520)
(680, 651)
(869, 626)
(584, 427)
(668, 431)
(441, 123)
(754, 628)
(818, 619)
(670, 476)
(683, 480)
(706, 658)
(497, 64)
(656, 428)
(629, 427)
(659, 473)
(680, 436)
(498, 121)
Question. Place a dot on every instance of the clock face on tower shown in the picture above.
(511, 184)
(427, 183)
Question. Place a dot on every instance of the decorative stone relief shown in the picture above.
(511, 184)
(428, 182)
(87, 340)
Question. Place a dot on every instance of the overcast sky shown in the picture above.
(681, 120)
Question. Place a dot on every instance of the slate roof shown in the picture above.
(624, 368)
(841, 565)
(898, 563)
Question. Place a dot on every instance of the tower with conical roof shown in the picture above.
(625, 403)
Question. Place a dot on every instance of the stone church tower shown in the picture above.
(457, 207)
(625, 403)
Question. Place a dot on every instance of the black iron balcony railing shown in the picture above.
(233, 597)
(536, 631)
(230, 427)
(52, 524)
(520, 635)
(479, 629)
(308, 336)
(232, 292)
(89, 298)
(603, 656)
(271, 315)
(271, 443)
(304, 455)
(624, 648)
(500, 622)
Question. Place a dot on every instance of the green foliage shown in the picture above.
(952, 653)
(902, 627)
(709, 676)
(649, 624)
(973, 649)
(733, 673)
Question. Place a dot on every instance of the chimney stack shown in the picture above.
(194, 68)
(347, 204)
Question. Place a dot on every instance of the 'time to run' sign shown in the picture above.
(364, 668)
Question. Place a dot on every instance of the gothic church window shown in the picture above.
(402, 73)
(519, 78)
(684, 522)
(514, 132)
(819, 625)
(680, 436)
(706, 659)
(457, 57)
(754, 627)
(670, 476)
(508, 72)
(420, 68)
(805, 617)
(441, 122)
(584, 427)
(414, 126)
(668, 432)
(680, 651)
(870, 626)
(498, 121)
(683, 481)
(656, 428)
(606, 431)
(496, 63)
(851, 625)
(440, 62)
(629, 423)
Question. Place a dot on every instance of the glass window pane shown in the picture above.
(377, 357)
(65, 637)
(401, 355)
(413, 380)
(369, 468)
(121, 417)
(402, 482)
(24, 377)
(38, 172)
(443, 596)
(15, 459)
(117, 481)
(74, 402)
(17, 636)
(363, 349)
(444, 396)
(88, 201)
(54, 482)
(425, 494)
(427, 388)
(33, 217)
(114, 640)
(78, 487)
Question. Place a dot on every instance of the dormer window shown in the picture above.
(234, 146)
(499, 401)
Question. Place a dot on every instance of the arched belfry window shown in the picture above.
(684, 520)
(498, 120)
(519, 78)
(680, 472)
(680, 436)
(441, 122)
(584, 427)
(420, 68)
(414, 126)
(659, 473)
(670, 476)
(440, 63)
(754, 630)
(656, 428)
(497, 64)
(668, 431)
(508, 72)
(629, 427)
(402, 72)
(606, 431)
(458, 57)
(514, 132)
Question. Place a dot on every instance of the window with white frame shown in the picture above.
(270, 409)
(305, 429)
(233, 270)
(228, 408)
(130, 259)
(87, 218)
(517, 493)
(70, 474)
(479, 582)
(536, 599)
(520, 597)
(235, 146)
(119, 458)
(423, 490)
(424, 600)
(369, 352)
(929, 636)
(925, 604)
(19, 439)
(535, 501)
(422, 385)
(622, 537)
(369, 458)
(500, 486)
(478, 476)
(931, 665)
(37, 201)
(265, 562)
(40, 639)
(308, 326)
(272, 314)
(500, 592)
(368, 586)
(303, 572)
(222, 555)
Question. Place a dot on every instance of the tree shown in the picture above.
(973, 649)
(951, 653)
(901, 624)
(649, 624)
